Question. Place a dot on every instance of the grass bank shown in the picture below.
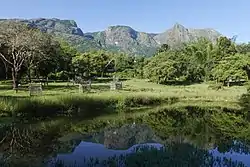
(84, 106)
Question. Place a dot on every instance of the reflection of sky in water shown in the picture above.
(88, 149)
(245, 158)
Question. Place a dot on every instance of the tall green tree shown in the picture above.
(162, 68)
(235, 67)
(99, 61)
(243, 48)
(82, 64)
(201, 58)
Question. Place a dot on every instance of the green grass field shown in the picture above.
(62, 96)
(138, 87)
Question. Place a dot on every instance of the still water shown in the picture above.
(126, 139)
(187, 137)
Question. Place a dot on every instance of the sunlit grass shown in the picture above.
(64, 97)
(139, 87)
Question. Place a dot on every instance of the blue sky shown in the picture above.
(230, 17)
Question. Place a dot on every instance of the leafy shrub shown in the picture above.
(62, 75)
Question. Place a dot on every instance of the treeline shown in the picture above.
(200, 61)
(28, 53)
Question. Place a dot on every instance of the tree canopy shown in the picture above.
(28, 51)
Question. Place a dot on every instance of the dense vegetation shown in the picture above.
(200, 61)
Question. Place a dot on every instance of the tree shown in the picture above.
(6, 67)
(21, 45)
(243, 48)
(225, 47)
(41, 51)
(51, 62)
(201, 59)
(82, 64)
(235, 67)
(139, 62)
(162, 48)
(123, 62)
(99, 61)
(162, 68)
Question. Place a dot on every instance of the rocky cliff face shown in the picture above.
(126, 39)
(119, 38)
(179, 34)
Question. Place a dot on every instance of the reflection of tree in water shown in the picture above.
(203, 135)
(204, 129)
(175, 154)
(20, 144)
(208, 131)
(172, 155)
(126, 136)
(26, 144)
(233, 145)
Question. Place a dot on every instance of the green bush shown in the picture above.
(62, 75)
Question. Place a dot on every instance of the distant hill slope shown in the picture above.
(119, 38)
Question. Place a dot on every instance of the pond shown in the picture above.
(128, 138)
(187, 137)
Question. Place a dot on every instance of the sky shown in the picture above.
(229, 17)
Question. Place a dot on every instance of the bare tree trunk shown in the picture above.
(29, 75)
(6, 73)
(15, 79)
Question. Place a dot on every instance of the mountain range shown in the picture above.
(119, 38)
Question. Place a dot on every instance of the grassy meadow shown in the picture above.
(136, 87)
(62, 98)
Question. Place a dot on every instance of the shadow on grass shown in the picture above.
(6, 87)
(180, 83)
(106, 80)
(63, 88)
(74, 87)
(101, 87)
(8, 97)
(60, 87)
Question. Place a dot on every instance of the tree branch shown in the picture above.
(6, 60)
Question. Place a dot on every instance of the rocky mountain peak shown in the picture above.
(119, 37)
(178, 26)
(55, 25)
